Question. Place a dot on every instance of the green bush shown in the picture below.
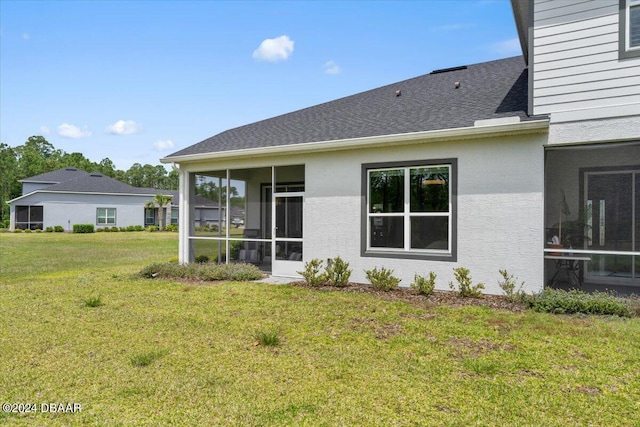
(37, 230)
(130, 228)
(383, 279)
(508, 286)
(207, 272)
(337, 272)
(152, 228)
(5, 223)
(83, 228)
(28, 230)
(559, 301)
(466, 288)
(115, 229)
(138, 228)
(48, 230)
(17, 230)
(123, 228)
(171, 227)
(312, 274)
(424, 286)
(58, 229)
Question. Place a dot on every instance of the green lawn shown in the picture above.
(167, 353)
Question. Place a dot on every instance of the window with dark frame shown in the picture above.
(629, 17)
(410, 210)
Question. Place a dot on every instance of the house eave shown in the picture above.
(471, 132)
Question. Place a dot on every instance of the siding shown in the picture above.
(576, 67)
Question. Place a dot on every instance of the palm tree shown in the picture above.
(159, 200)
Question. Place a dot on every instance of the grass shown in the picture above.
(166, 353)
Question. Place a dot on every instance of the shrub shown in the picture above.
(138, 228)
(5, 223)
(48, 230)
(207, 272)
(171, 227)
(267, 338)
(508, 286)
(123, 229)
(337, 272)
(383, 279)
(201, 259)
(17, 230)
(559, 301)
(115, 229)
(152, 228)
(312, 274)
(27, 230)
(466, 288)
(83, 228)
(424, 286)
(58, 229)
(130, 228)
(235, 247)
(99, 230)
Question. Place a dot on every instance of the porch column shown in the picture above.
(186, 213)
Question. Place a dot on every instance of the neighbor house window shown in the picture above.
(106, 216)
(629, 28)
(410, 210)
(149, 216)
(29, 217)
(174, 216)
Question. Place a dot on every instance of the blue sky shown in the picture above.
(137, 80)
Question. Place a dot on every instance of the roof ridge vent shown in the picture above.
(97, 175)
(446, 70)
(71, 169)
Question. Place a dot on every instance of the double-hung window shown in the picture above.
(106, 216)
(410, 210)
(629, 28)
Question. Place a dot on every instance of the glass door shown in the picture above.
(612, 218)
(287, 217)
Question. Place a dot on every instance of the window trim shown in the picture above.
(624, 11)
(106, 217)
(421, 254)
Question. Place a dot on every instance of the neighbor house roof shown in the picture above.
(434, 101)
(57, 176)
(72, 180)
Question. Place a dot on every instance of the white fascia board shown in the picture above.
(79, 192)
(516, 128)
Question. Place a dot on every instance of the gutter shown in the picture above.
(481, 130)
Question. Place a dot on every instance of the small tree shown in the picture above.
(159, 200)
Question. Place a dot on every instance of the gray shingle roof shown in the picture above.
(96, 183)
(56, 176)
(430, 102)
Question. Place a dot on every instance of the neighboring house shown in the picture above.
(478, 166)
(70, 196)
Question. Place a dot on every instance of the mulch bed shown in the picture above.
(437, 298)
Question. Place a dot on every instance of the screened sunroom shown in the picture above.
(592, 217)
(263, 221)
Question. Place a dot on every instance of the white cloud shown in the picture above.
(331, 67)
(123, 127)
(274, 50)
(66, 130)
(26, 36)
(45, 130)
(163, 144)
(508, 47)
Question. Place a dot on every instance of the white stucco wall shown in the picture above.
(500, 210)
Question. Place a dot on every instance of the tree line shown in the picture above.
(37, 156)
